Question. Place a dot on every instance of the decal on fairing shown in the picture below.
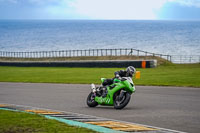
(104, 100)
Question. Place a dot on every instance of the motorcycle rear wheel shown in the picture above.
(121, 103)
(90, 100)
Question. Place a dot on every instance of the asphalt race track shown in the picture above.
(176, 108)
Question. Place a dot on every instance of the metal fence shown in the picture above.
(101, 52)
(79, 53)
(182, 59)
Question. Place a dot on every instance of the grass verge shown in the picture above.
(164, 75)
(18, 122)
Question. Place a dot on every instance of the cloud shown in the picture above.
(88, 9)
(190, 3)
(177, 11)
(118, 9)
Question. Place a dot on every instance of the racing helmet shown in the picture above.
(130, 71)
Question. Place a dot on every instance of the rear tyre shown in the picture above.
(90, 100)
(120, 103)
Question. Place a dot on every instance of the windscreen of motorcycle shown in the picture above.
(129, 79)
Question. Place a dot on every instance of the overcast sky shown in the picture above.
(101, 9)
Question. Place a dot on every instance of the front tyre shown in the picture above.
(90, 100)
(120, 103)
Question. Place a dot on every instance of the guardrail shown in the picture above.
(78, 53)
(101, 52)
(182, 59)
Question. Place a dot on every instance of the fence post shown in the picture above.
(190, 58)
(138, 52)
(65, 53)
(45, 54)
(36, 54)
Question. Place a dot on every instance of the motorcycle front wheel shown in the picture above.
(120, 103)
(90, 100)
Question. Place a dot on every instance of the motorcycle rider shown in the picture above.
(129, 72)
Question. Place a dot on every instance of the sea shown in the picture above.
(164, 37)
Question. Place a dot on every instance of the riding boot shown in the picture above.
(104, 94)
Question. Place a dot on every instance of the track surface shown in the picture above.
(176, 108)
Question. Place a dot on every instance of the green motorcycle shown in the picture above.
(117, 94)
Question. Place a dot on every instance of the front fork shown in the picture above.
(122, 92)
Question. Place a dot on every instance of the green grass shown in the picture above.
(167, 75)
(171, 75)
(18, 122)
